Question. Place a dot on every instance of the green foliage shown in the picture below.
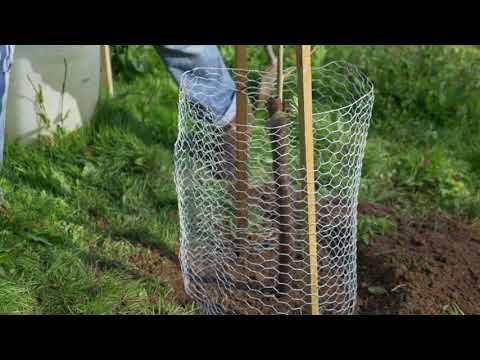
(377, 290)
(431, 172)
(453, 309)
(423, 150)
(74, 211)
(145, 91)
(420, 87)
(42, 112)
(371, 226)
(15, 299)
(77, 207)
(131, 61)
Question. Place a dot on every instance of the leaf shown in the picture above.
(40, 99)
(365, 239)
(3, 273)
(44, 120)
(66, 115)
(60, 181)
(456, 310)
(377, 290)
(38, 239)
(88, 169)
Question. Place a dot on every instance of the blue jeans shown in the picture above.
(182, 58)
(6, 58)
(178, 59)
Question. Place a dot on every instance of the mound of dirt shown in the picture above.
(425, 267)
(164, 267)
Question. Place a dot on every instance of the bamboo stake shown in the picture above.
(106, 77)
(280, 74)
(307, 158)
(242, 138)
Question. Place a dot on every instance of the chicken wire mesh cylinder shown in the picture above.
(263, 269)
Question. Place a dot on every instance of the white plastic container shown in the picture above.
(44, 65)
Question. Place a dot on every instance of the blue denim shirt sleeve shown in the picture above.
(6, 57)
(6, 60)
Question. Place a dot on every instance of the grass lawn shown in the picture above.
(88, 221)
(84, 217)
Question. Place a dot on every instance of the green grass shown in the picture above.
(75, 210)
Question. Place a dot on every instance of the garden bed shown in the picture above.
(427, 266)
(423, 267)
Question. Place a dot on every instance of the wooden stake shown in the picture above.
(242, 137)
(106, 77)
(280, 74)
(307, 158)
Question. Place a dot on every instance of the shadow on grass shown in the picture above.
(145, 239)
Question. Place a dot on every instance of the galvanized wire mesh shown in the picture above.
(264, 269)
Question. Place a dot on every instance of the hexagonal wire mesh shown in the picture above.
(265, 269)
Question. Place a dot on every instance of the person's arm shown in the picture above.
(6, 60)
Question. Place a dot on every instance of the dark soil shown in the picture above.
(425, 267)
(429, 266)
(165, 267)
